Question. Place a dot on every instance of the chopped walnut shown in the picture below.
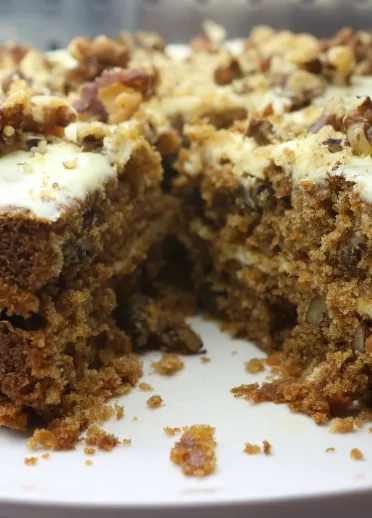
(195, 451)
(94, 56)
(115, 95)
(227, 70)
(260, 130)
(150, 41)
(168, 364)
(155, 402)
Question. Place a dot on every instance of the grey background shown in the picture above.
(52, 23)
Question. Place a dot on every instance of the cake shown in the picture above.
(140, 182)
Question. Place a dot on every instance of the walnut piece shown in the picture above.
(317, 311)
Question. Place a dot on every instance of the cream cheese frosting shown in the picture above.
(47, 183)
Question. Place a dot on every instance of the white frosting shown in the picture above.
(46, 184)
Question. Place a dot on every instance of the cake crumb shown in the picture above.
(145, 387)
(370, 430)
(205, 359)
(267, 448)
(98, 437)
(342, 425)
(45, 456)
(127, 442)
(154, 402)
(195, 451)
(89, 462)
(119, 411)
(274, 360)
(252, 449)
(330, 450)
(172, 431)
(168, 364)
(135, 419)
(255, 365)
(234, 353)
(356, 454)
(89, 451)
(31, 461)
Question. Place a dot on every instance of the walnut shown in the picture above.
(22, 112)
(202, 43)
(359, 339)
(94, 56)
(122, 91)
(340, 63)
(304, 86)
(48, 112)
(214, 32)
(332, 115)
(260, 130)
(317, 311)
(227, 70)
(114, 96)
(150, 41)
(11, 54)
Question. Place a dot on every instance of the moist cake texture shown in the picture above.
(139, 182)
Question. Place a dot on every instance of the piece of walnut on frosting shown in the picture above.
(115, 95)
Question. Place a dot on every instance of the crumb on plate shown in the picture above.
(168, 364)
(205, 359)
(267, 447)
(89, 462)
(172, 431)
(252, 449)
(145, 387)
(119, 411)
(89, 451)
(342, 425)
(98, 437)
(255, 365)
(195, 451)
(155, 401)
(45, 456)
(356, 454)
(31, 461)
(135, 419)
(127, 442)
(330, 450)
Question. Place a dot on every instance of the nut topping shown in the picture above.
(317, 311)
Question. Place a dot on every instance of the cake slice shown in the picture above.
(81, 205)
(279, 213)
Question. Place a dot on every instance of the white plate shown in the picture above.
(298, 479)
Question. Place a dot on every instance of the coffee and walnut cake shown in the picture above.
(140, 181)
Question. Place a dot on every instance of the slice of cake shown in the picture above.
(81, 205)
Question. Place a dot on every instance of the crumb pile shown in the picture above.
(195, 451)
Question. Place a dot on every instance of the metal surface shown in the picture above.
(52, 23)
(177, 20)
